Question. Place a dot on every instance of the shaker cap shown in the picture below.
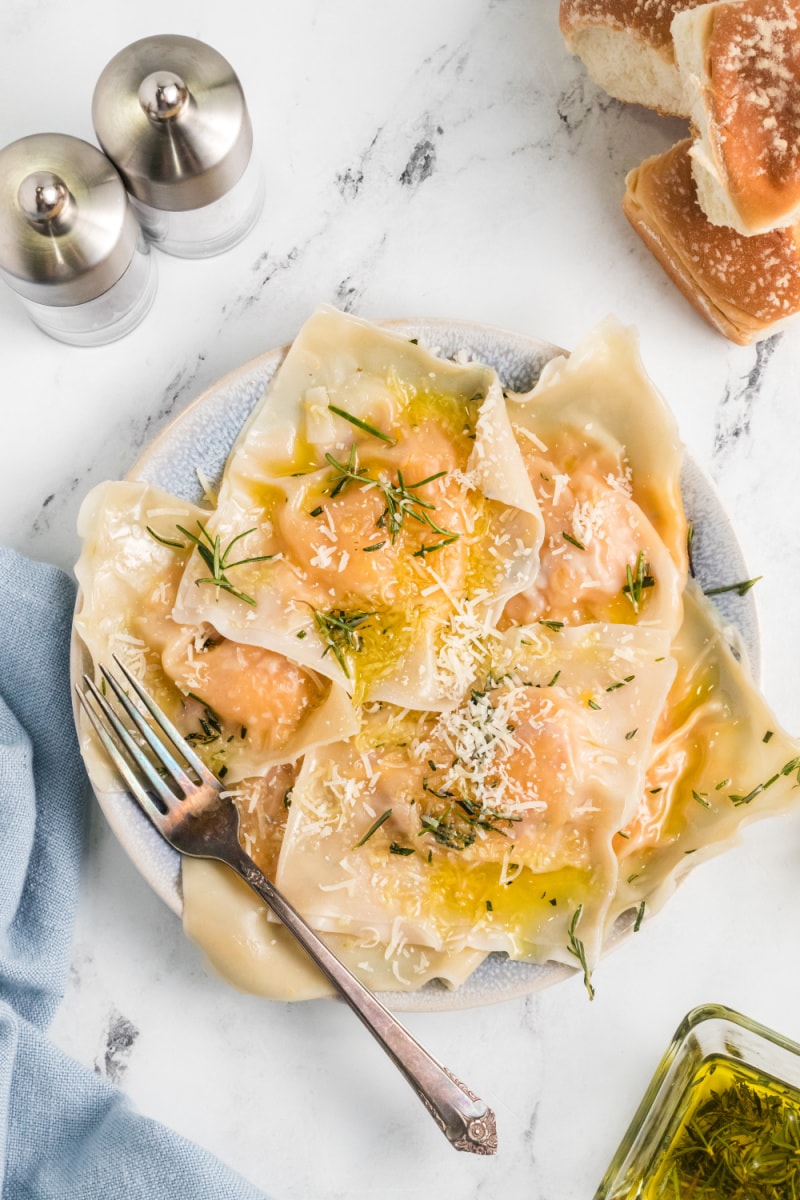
(67, 231)
(170, 113)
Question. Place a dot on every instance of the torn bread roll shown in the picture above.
(626, 46)
(746, 287)
(740, 65)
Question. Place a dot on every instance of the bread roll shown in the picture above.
(746, 287)
(740, 63)
(626, 46)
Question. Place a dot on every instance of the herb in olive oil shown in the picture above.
(738, 1139)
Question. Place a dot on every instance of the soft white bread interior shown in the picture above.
(746, 287)
(626, 46)
(740, 66)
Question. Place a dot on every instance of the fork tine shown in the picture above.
(129, 777)
(170, 730)
(161, 752)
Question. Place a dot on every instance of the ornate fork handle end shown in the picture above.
(480, 1136)
(474, 1130)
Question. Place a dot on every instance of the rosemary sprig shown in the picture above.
(400, 500)
(638, 578)
(469, 813)
(637, 925)
(216, 559)
(787, 769)
(573, 541)
(165, 541)
(384, 437)
(374, 827)
(447, 834)
(429, 548)
(741, 588)
(577, 948)
(339, 630)
(210, 724)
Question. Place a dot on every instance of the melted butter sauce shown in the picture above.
(464, 566)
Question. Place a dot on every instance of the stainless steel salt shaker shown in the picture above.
(170, 113)
(70, 245)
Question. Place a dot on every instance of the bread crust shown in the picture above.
(626, 46)
(745, 287)
(649, 20)
(741, 67)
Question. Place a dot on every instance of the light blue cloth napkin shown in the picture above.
(65, 1134)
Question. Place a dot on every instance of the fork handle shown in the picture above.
(466, 1121)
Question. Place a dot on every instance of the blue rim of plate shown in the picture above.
(197, 442)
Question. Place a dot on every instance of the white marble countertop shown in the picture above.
(437, 159)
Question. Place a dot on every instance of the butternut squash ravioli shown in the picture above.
(440, 642)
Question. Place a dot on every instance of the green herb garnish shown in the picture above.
(554, 625)
(638, 578)
(429, 549)
(403, 850)
(399, 497)
(577, 948)
(374, 827)
(339, 630)
(573, 541)
(216, 559)
(615, 686)
(165, 541)
(741, 588)
(384, 437)
(637, 925)
(447, 834)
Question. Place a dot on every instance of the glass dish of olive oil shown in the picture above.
(720, 1119)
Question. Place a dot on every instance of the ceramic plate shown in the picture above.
(200, 440)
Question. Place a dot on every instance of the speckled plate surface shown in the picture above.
(200, 440)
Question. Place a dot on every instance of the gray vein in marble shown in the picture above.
(52, 506)
(264, 269)
(371, 174)
(580, 102)
(735, 409)
(121, 1036)
(348, 182)
(421, 163)
(348, 295)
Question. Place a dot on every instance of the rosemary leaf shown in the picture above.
(384, 437)
(374, 827)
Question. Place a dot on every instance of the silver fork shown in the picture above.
(196, 817)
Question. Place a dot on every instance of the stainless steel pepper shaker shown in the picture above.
(70, 245)
(170, 113)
